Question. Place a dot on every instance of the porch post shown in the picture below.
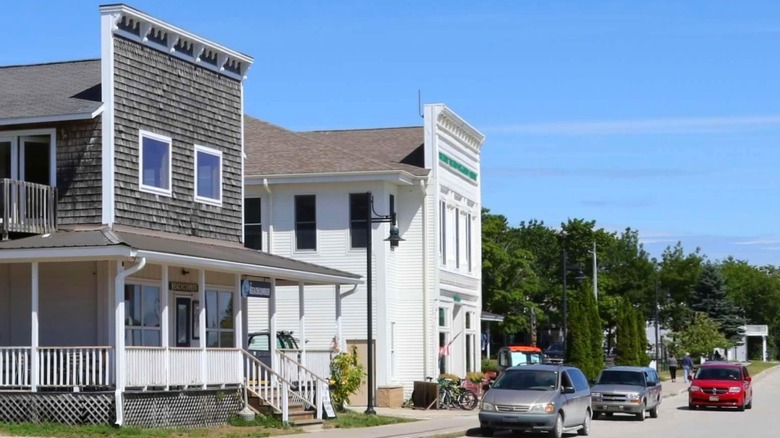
(202, 323)
(302, 322)
(34, 365)
(238, 323)
(272, 325)
(165, 330)
(763, 350)
(339, 338)
(119, 339)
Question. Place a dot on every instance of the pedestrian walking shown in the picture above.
(687, 365)
(672, 367)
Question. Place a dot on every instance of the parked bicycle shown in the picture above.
(453, 394)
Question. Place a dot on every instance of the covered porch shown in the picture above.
(132, 315)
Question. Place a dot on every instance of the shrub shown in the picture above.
(489, 365)
(452, 377)
(346, 375)
(475, 377)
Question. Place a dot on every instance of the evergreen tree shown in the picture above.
(641, 338)
(577, 335)
(625, 335)
(710, 297)
(596, 332)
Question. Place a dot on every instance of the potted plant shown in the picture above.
(475, 381)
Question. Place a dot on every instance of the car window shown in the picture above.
(529, 380)
(612, 377)
(260, 343)
(525, 358)
(712, 373)
(579, 379)
(566, 380)
(745, 372)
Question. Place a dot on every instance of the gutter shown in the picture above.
(270, 216)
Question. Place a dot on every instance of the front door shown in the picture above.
(183, 321)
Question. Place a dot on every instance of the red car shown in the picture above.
(721, 384)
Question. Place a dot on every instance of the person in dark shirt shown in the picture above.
(687, 365)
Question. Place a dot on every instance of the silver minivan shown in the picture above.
(538, 398)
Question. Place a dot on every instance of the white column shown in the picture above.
(238, 322)
(202, 322)
(165, 324)
(763, 348)
(119, 337)
(272, 324)
(339, 337)
(302, 322)
(34, 365)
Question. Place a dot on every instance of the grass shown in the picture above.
(260, 427)
(350, 419)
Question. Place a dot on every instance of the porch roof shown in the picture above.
(50, 92)
(158, 247)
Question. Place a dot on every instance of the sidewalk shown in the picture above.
(671, 389)
(444, 425)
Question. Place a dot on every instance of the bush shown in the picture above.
(452, 377)
(489, 365)
(346, 375)
(475, 377)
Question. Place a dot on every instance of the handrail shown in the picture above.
(267, 385)
(311, 387)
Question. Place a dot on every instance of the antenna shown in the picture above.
(419, 103)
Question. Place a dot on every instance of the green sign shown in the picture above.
(457, 166)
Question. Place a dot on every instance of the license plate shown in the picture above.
(714, 398)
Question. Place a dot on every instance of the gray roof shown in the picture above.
(273, 150)
(49, 90)
(168, 244)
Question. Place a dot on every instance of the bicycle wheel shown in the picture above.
(468, 400)
(444, 399)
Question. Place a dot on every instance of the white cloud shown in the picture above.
(643, 126)
(760, 241)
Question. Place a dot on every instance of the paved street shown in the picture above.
(675, 420)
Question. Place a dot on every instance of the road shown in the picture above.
(675, 420)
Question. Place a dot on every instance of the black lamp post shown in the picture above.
(580, 276)
(372, 218)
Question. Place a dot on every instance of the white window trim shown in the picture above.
(218, 154)
(15, 137)
(294, 240)
(152, 189)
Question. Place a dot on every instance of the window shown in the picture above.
(28, 157)
(306, 222)
(358, 213)
(457, 238)
(469, 352)
(443, 232)
(442, 317)
(253, 223)
(142, 315)
(468, 242)
(468, 320)
(155, 161)
(219, 319)
(208, 175)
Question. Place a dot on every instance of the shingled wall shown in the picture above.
(160, 93)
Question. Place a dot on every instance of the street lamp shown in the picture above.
(373, 218)
(580, 276)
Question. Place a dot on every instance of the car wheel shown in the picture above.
(749, 405)
(486, 431)
(691, 407)
(557, 430)
(654, 412)
(741, 407)
(641, 415)
(585, 429)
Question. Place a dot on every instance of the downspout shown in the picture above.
(426, 292)
(270, 215)
(119, 322)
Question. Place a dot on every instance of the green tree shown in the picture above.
(626, 335)
(579, 350)
(641, 338)
(701, 336)
(346, 375)
(710, 298)
(678, 274)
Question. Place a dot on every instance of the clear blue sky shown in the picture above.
(661, 116)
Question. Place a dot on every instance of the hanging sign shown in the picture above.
(257, 289)
(180, 286)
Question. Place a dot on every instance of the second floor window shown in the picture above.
(443, 232)
(253, 223)
(208, 175)
(358, 213)
(155, 163)
(457, 238)
(306, 222)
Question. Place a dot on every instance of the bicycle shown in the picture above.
(453, 394)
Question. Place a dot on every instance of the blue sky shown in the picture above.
(661, 116)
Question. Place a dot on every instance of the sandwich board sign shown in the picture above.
(329, 411)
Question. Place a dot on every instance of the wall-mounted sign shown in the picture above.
(468, 173)
(180, 286)
(257, 289)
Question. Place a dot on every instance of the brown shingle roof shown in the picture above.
(273, 150)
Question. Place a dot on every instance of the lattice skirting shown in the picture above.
(179, 409)
(67, 408)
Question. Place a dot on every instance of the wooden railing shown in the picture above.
(145, 367)
(15, 367)
(27, 207)
(160, 367)
(185, 366)
(268, 386)
(74, 366)
(308, 386)
(222, 366)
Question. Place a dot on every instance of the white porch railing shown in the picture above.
(268, 386)
(15, 367)
(308, 385)
(146, 366)
(74, 366)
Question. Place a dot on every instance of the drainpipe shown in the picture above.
(119, 323)
(270, 216)
(426, 292)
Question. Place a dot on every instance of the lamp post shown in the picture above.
(656, 326)
(373, 218)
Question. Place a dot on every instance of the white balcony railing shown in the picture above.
(15, 367)
(74, 366)
(146, 367)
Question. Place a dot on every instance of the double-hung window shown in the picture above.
(142, 315)
(358, 219)
(208, 175)
(219, 319)
(306, 222)
(155, 163)
(443, 232)
(253, 223)
(468, 242)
